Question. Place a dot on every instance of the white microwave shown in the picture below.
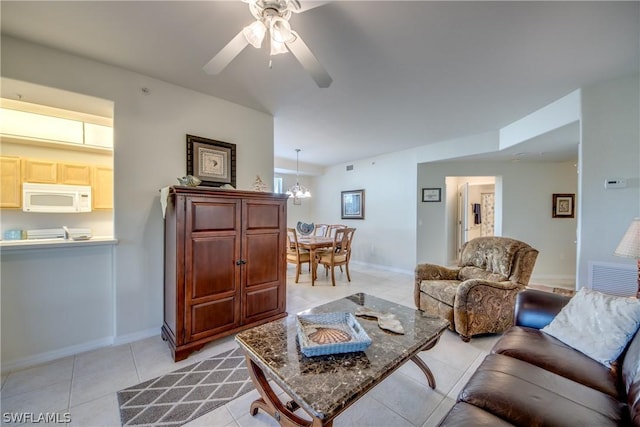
(56, 198)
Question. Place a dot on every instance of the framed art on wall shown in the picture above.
(563, 205)
(431, 194)
(213, 162)
(352, 204)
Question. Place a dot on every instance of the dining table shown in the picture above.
(313, 243)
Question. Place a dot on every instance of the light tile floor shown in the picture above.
(85, 385)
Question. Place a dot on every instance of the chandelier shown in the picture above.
(298, 191)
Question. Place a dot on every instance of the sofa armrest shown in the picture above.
(431, 272)
(435, 272)
(484, 306)
(536, 309)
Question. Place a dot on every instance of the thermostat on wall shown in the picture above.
(615, 183)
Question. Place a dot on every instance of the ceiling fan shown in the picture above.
(272, 19)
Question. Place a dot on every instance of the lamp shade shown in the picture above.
(281, 30)
(629, 246)
(254, 33)
(277, 47)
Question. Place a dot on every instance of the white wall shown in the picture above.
(386, 237)
(526, 211)
(150, 152)
(55, 301)
(610, 149)
(559, 113)
(399, 231)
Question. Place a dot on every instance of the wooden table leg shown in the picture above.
(314, 267)
(270, 403)
(425, 369)
(423, 366)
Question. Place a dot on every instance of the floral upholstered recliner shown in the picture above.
(479, 295)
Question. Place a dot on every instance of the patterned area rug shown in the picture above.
(186, 394)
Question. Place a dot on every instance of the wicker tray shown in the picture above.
(330, 333)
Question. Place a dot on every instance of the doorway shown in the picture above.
(476, 208)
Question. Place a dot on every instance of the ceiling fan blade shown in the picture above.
(309, 62)
(226, 54)
(308, 5)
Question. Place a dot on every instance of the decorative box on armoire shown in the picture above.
(225, 264)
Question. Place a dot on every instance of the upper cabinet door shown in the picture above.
(102, 188)
(10, 191)
(74, 174)
(40, 171)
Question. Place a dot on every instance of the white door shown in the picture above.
(463, 220)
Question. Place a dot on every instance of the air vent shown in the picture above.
(613, 278)
(349, 168)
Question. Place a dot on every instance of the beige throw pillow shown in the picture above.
(597, 324)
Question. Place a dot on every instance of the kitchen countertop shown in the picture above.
(16, 245)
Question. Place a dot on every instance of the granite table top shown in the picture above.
(324, 385)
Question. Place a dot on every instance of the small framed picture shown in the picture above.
(352, 203)
(213, 162)
(431, 194)
(563, 205)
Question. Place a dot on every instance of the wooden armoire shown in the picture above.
(225, 264)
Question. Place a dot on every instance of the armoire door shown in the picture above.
(263, 250)
(213, 266)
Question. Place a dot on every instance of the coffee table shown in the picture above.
(324, 386)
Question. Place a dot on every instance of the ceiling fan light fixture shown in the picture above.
(254, 33)
(281, 30)
(277, 47)
(271, 16)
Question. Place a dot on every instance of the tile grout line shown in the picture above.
(135, 362)
(73, 378)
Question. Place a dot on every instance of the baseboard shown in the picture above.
(136, 336)
(382, 267)
(38, 359)
(554, 280)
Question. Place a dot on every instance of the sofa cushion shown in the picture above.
(547, 352)
(469, 272)
(441, 290)
(597, 324)
(464, 415)
(493, 254)
(524, 394)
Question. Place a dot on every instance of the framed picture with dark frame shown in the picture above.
(352, 204)
(431, 194)
(563, 206)
(212, 162)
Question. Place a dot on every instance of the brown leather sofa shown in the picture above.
(533, 379)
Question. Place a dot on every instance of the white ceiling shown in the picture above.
(405, 74)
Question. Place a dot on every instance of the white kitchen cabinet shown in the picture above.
(21, 123)
(98, 135)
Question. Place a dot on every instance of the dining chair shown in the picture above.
(295, 254)
(338, 255)
(320, 230)
(332, 229)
